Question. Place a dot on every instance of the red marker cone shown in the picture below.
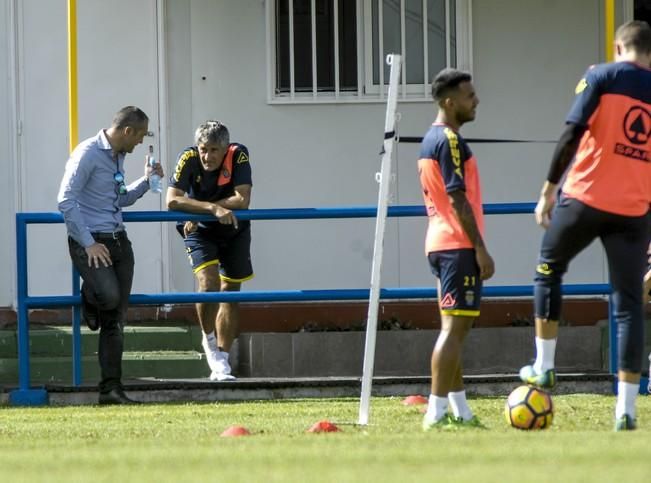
(324, 426)
(235, 431)
(414, 400)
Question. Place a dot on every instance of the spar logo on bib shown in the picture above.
(637, 129)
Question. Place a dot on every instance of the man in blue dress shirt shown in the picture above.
(91, 196)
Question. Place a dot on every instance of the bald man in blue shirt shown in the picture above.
(91, 197)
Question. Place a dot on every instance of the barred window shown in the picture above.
(334, 50)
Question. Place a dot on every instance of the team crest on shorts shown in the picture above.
(470, 297)
(447, 301)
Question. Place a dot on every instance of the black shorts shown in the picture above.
(573, 227)
(460, 282)
(233, 254)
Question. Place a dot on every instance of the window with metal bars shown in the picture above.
(334, 50)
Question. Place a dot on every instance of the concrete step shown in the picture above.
(56, 341)
(407, 352)
(156, 364)
(247, 389)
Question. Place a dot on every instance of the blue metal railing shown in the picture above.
(27, 395)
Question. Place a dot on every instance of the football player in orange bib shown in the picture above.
(454, 245)
(606, 195)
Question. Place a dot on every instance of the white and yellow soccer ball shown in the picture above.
(528, 407)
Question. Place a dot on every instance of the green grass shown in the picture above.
(181, 442)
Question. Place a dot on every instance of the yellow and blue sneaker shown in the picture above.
(546, 379)
(444, 423)
(473, 422)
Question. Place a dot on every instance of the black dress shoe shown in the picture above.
(89, 313)
(115, 396)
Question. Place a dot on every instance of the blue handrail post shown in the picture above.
(76, 332)
(24, 395)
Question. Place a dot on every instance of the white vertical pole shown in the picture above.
(313, 34)
(272, 35)
(292, 79)
(16, 167)
(163, 148)
(361, 46)
(425, 51)
(448, 46)
(403, 46)
(380, 46)
(335, 12)
(383, 200)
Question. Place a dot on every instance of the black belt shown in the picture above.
(111, 235)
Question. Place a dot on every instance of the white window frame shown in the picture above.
(366, 91)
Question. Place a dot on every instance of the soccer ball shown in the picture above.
(528, 407)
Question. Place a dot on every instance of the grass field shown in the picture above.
(181, 442)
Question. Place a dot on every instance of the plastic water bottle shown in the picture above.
(155, 184)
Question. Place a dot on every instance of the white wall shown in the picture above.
(526, 85)
(301, 155)
(44, 141)
(527, 58)
(326, 155)
(117, 66)
(527, 55)
(179, 67)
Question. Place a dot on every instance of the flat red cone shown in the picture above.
(414, 400)
(235, 431)
(323, 427)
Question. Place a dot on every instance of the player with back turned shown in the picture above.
(606, 195)
(454, 245)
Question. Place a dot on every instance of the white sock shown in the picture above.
(436, 408)
(224, 354)
(626, 395)
(459, 405)
(209, 341)
(545, 353)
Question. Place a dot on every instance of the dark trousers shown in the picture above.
(107, 289)
(574, 226)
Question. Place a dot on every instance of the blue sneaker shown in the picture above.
(625, 423)
(546, 380)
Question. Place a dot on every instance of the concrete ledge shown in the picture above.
(407, 352)
(246, 389)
